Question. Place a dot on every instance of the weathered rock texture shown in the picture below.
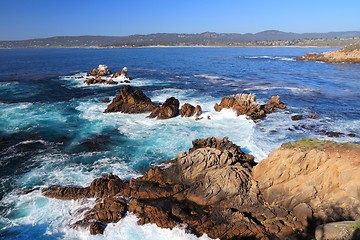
(315, 179)
(246, 104)
(131, 100)
(210, 188)
(349, 54)
(188, 110)
(169, 109)
(102, 70)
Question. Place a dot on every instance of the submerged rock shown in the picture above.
(130, 100)
(169, 109)
(246, 104)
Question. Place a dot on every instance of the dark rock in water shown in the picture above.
(297, 117)
(352, 135)
(169, 109)
(126, 81)
(210, 189)
(246, 104)
(106, 100)
(130, 100)
(313, 116)
(188, 110)
(334, 134)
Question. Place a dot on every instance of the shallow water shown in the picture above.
(53, 129)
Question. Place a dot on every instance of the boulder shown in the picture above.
(296, 117)
(246, 104)
(131, 100)
(313, 178)
(111, 82)
(188, 110)
(344, 230)
(169, 109)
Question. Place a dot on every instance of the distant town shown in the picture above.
(271, 38)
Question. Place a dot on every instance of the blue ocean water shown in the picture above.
(53, 129)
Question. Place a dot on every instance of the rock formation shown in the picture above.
(217, 189)
(130, 100)
(349, 54)
(210, 188)
(188, 110)
(246, 104)
(169, 109)
(102, 70)
(314, 179)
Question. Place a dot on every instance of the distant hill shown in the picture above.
(265, 38)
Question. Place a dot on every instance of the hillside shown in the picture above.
(266, 38)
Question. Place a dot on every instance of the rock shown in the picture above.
(106, 100)
(349, 54)
(323, 175)
(313, 116)
(103, 70)
(343, 230)
(130, 100)
(169, 109)
(188, 110)
(296, 117)
(246, 104)
(352, 135)
(112, 82)
(334, 134)
(210, 189)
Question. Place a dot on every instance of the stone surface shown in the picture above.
(130, 100)
(188, 110)
(343, 230)
(246, 104)
(324, 175)
(210, 189)
(169, 109)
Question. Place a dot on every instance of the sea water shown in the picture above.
(53, 129)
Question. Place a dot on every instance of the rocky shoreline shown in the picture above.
(349, 54)
(217, 189)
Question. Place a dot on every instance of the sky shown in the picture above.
(27, 19)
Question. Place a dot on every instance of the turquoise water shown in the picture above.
(53, 129)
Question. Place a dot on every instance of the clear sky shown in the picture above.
(26, 19)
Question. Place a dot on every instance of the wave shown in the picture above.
(270, 57)
(293, 89)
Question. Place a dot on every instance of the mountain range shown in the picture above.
(265, 38)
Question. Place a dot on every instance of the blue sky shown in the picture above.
(25, 19)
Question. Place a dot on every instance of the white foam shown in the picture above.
(268, 88)
(280, 58)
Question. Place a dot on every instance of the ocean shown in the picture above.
(53, 130)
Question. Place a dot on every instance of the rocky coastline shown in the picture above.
(349, 54)
(217, 189)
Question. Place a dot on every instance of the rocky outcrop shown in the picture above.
(217, 189)
(131, 100)
(102, 70)
(169, 109)
(210, 189)
(349, 54)
(246, 104)
(315, 179)
(188, 110)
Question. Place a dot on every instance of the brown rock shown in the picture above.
(322, 175)
(112, 82)
(130, 101)
(245, 104)
(188, 110)
(169, 109)
(297, 117)
(106, 100)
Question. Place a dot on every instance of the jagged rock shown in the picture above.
(323, 175)
(169, 109)
(313, 116)
(130, 100)
(102, 70)
(210, 189)
(245, 104)
(188, 110)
